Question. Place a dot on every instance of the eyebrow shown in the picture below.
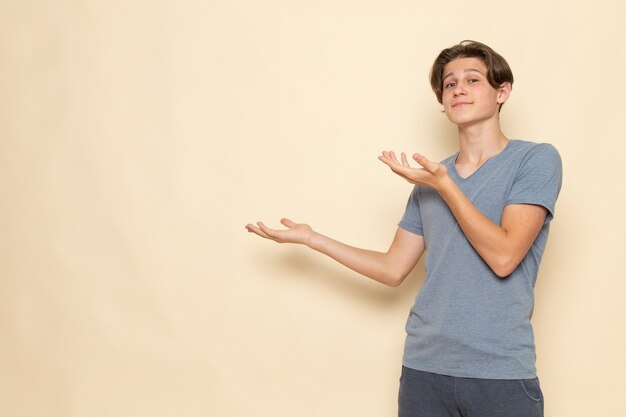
(465, 70)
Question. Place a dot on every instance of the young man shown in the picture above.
(484, 214)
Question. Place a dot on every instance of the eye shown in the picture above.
(473, 80)
(450, 84)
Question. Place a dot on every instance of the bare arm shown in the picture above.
(390, 268)
(501, 246)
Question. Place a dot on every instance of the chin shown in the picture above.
(465, 119)
(460, 119)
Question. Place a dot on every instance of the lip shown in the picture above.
(461, 103)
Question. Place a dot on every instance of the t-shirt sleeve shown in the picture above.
(412, 219)
(539, 179)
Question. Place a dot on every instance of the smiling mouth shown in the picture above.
(460, 104)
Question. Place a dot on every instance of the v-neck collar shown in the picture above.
(452, 166)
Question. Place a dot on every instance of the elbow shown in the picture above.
(389, 278)
(504, 267)
(395, 279)
(395, 283)
(502, 273)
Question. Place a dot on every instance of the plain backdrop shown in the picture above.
(137, 138)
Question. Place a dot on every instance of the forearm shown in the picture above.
(502, 246)
(492, 242)
(378, 266)
(388, 268)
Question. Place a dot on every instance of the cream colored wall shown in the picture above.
(137, 138)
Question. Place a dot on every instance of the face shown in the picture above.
(467, 97)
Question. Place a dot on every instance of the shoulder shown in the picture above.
(534, 153)
(533, 148)
(538, 176)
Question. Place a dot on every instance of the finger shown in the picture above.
(390, 163)
(257, 231)
(405, 162)
(390, 157)
(402, 170)
(288, 223)
(423, 161)
(385, 159)
(269, 233)
(393, 157)
(252, 228)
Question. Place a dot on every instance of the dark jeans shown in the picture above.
(424, 394)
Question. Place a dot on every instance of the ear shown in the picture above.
(504, 91)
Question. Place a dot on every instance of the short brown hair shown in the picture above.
(498, 70)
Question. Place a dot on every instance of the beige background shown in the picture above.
(137, 138)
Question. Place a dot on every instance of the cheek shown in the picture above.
(487, 94)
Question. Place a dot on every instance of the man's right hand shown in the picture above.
(295, 232)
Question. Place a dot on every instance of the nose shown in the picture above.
(458, 90)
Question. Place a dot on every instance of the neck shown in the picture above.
(480, 142)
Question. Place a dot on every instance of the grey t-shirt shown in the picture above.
(466, 321)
